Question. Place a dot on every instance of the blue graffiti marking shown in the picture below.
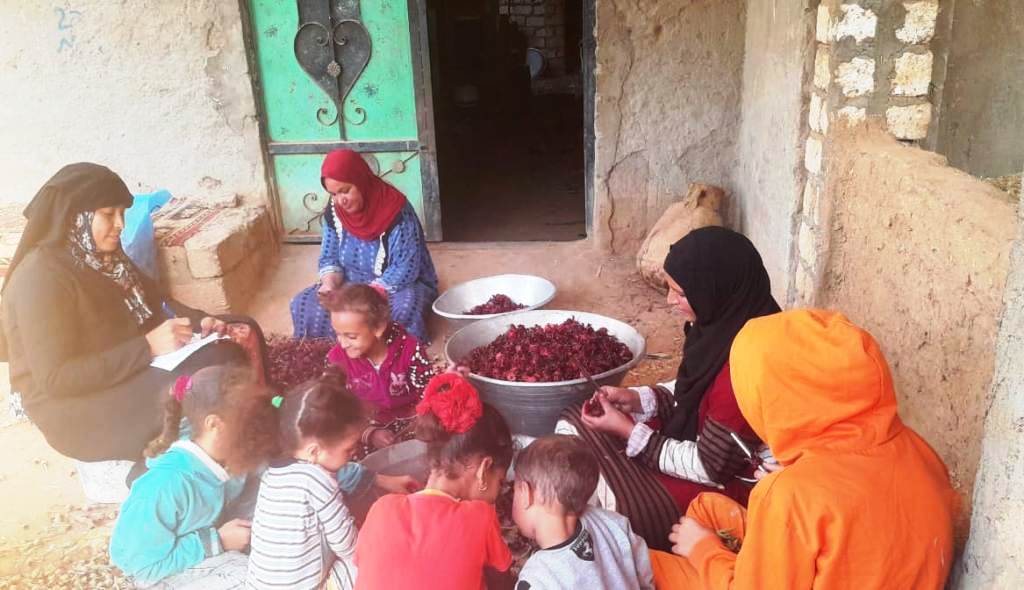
(65, 22)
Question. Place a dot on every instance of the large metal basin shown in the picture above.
(533, 408)
(404, 458)
(532, 291)
(410, 458)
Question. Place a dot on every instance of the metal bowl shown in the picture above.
(404, 458)
(533, 408)
(532, 291)
(410, 458)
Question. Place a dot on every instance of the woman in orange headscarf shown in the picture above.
(862, 502)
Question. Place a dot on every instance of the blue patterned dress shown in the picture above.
(398, 261)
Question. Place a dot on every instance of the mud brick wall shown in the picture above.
(213, 258)
(872, 60)
(920, 255)
(911, 248)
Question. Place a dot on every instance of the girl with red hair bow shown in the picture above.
(469, 447)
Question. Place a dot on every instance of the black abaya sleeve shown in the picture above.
(48, 323)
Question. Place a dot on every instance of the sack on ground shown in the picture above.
(699, 208)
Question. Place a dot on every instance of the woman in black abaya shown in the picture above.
(83, 324)
(660, 446)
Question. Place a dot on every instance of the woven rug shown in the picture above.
(180, 219)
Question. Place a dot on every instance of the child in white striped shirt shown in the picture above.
(303, 536)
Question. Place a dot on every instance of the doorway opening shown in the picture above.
(508, 80)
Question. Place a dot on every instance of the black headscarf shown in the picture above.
(61, 214)
(726, 283)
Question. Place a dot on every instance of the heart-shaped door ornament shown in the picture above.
(334, 55)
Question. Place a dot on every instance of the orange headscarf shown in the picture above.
(863, 502)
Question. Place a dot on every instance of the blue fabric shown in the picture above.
(353, 478)
(408, 275)
(137, 237)
(168, 523)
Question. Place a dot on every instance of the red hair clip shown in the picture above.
(454, 401)
(380, 289)
(181, 386)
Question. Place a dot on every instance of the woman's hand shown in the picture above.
(685, 535)
(461, 370)
(235, 534)
(612, 422)
(765, 469)
(624, 399)
(398, 484)
(381, 438)
(209, 325)
(169, 336)
(330, 282)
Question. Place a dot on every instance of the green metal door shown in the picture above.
(345, 73)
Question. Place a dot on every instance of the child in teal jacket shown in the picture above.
(170, 529)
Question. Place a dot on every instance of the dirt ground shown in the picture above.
(46, 521)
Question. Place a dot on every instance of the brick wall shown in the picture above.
(543, 23)
(872, 60)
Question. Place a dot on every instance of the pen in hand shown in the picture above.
(171, 334)
(169, 314)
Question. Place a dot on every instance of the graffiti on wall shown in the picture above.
(66, 20)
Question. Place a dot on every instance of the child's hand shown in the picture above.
(685, 535)
(381, 438)
(398, 484)
(235, 534)
(458, 370)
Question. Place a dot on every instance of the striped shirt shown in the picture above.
(302, 532)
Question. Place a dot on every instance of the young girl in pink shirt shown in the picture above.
(387, 367)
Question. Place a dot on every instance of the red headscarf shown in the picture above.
(381, 201)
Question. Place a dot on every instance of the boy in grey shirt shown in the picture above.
(580, 546)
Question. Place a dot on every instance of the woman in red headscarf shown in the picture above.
(371, 235)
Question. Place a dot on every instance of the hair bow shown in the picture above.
(454, 401)
(181, 386)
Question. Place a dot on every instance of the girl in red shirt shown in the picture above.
(446, 536)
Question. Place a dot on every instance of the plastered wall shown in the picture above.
(980, 94)
(159, 91)
(992, 557)
(769, 172)
(919, 257)
(669, 78)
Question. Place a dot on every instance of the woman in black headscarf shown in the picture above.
(678, 436)
(82, 323)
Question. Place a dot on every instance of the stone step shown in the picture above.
(211, 254)
(213, 257)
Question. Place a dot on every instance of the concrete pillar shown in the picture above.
(994, 556)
